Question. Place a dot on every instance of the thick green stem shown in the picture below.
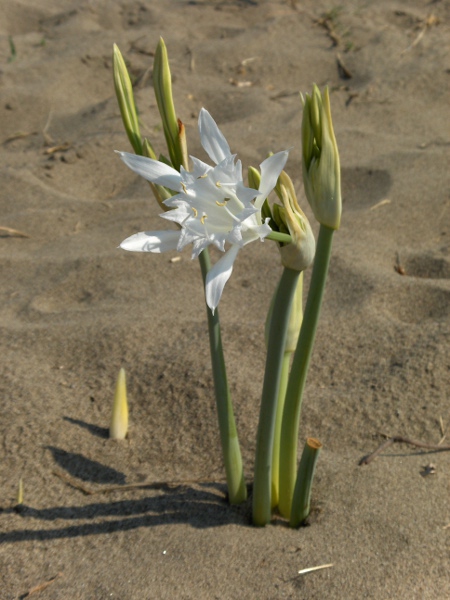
(237, 491)
(299, 370)
(277, 434)
(272, 377)
(302, 493)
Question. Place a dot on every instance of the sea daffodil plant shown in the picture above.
(211, 205)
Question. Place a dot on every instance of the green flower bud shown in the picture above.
(290, 218)
(173, 129)
(125, 98)
(321, 167)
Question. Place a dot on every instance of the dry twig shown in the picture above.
(19, 136)
(58, 148)
(402, 440)
(343, 71)
(48, 140)
(74, 483)
(129, 486)
(9, 232)
(40, 587)
(427, 23)
(380, 203)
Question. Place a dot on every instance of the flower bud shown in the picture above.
(162, 84)
(125, 98)
(321, 167)
(290, 218)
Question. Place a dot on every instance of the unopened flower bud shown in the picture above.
(162, 84)
(299, 254)
(321, 167)
(125, 98)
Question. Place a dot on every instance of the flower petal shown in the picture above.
(153, 170)
(152, 241)
(218, 276)
(200, 168)
(270, 171)
(213, 140)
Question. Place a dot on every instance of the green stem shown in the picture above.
(272, 377)
(237, 491)
(302, 493)
(276, 438)
(277, 236)
(299, 370)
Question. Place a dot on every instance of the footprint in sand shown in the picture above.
(79, 288)
(427, 266)
(424, 292)
(376, 184)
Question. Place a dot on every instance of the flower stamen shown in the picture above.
(195, 211)
(202, 220)
(225, 200)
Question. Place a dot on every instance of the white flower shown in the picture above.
(212, 206)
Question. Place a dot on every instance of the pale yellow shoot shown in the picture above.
(20, 492)
(119, 420)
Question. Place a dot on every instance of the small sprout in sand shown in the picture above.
(20, 493)
(119, 420)
(12, 49)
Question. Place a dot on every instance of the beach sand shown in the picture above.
(74, 308)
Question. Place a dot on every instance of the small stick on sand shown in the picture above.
(9, 232)
(58, 148)
(48, 140)
(380, 203)
(311, 569)
(75, 484)
(40, 587)
(402, 440)
(427, 23)
(343, 71)
(19, 136)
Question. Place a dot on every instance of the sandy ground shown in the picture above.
(74, 308)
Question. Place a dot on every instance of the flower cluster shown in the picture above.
(212, 205)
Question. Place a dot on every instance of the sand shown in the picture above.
(74, 308)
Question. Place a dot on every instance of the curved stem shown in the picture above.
(272, 377)
(299, 370)
(237, 491)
